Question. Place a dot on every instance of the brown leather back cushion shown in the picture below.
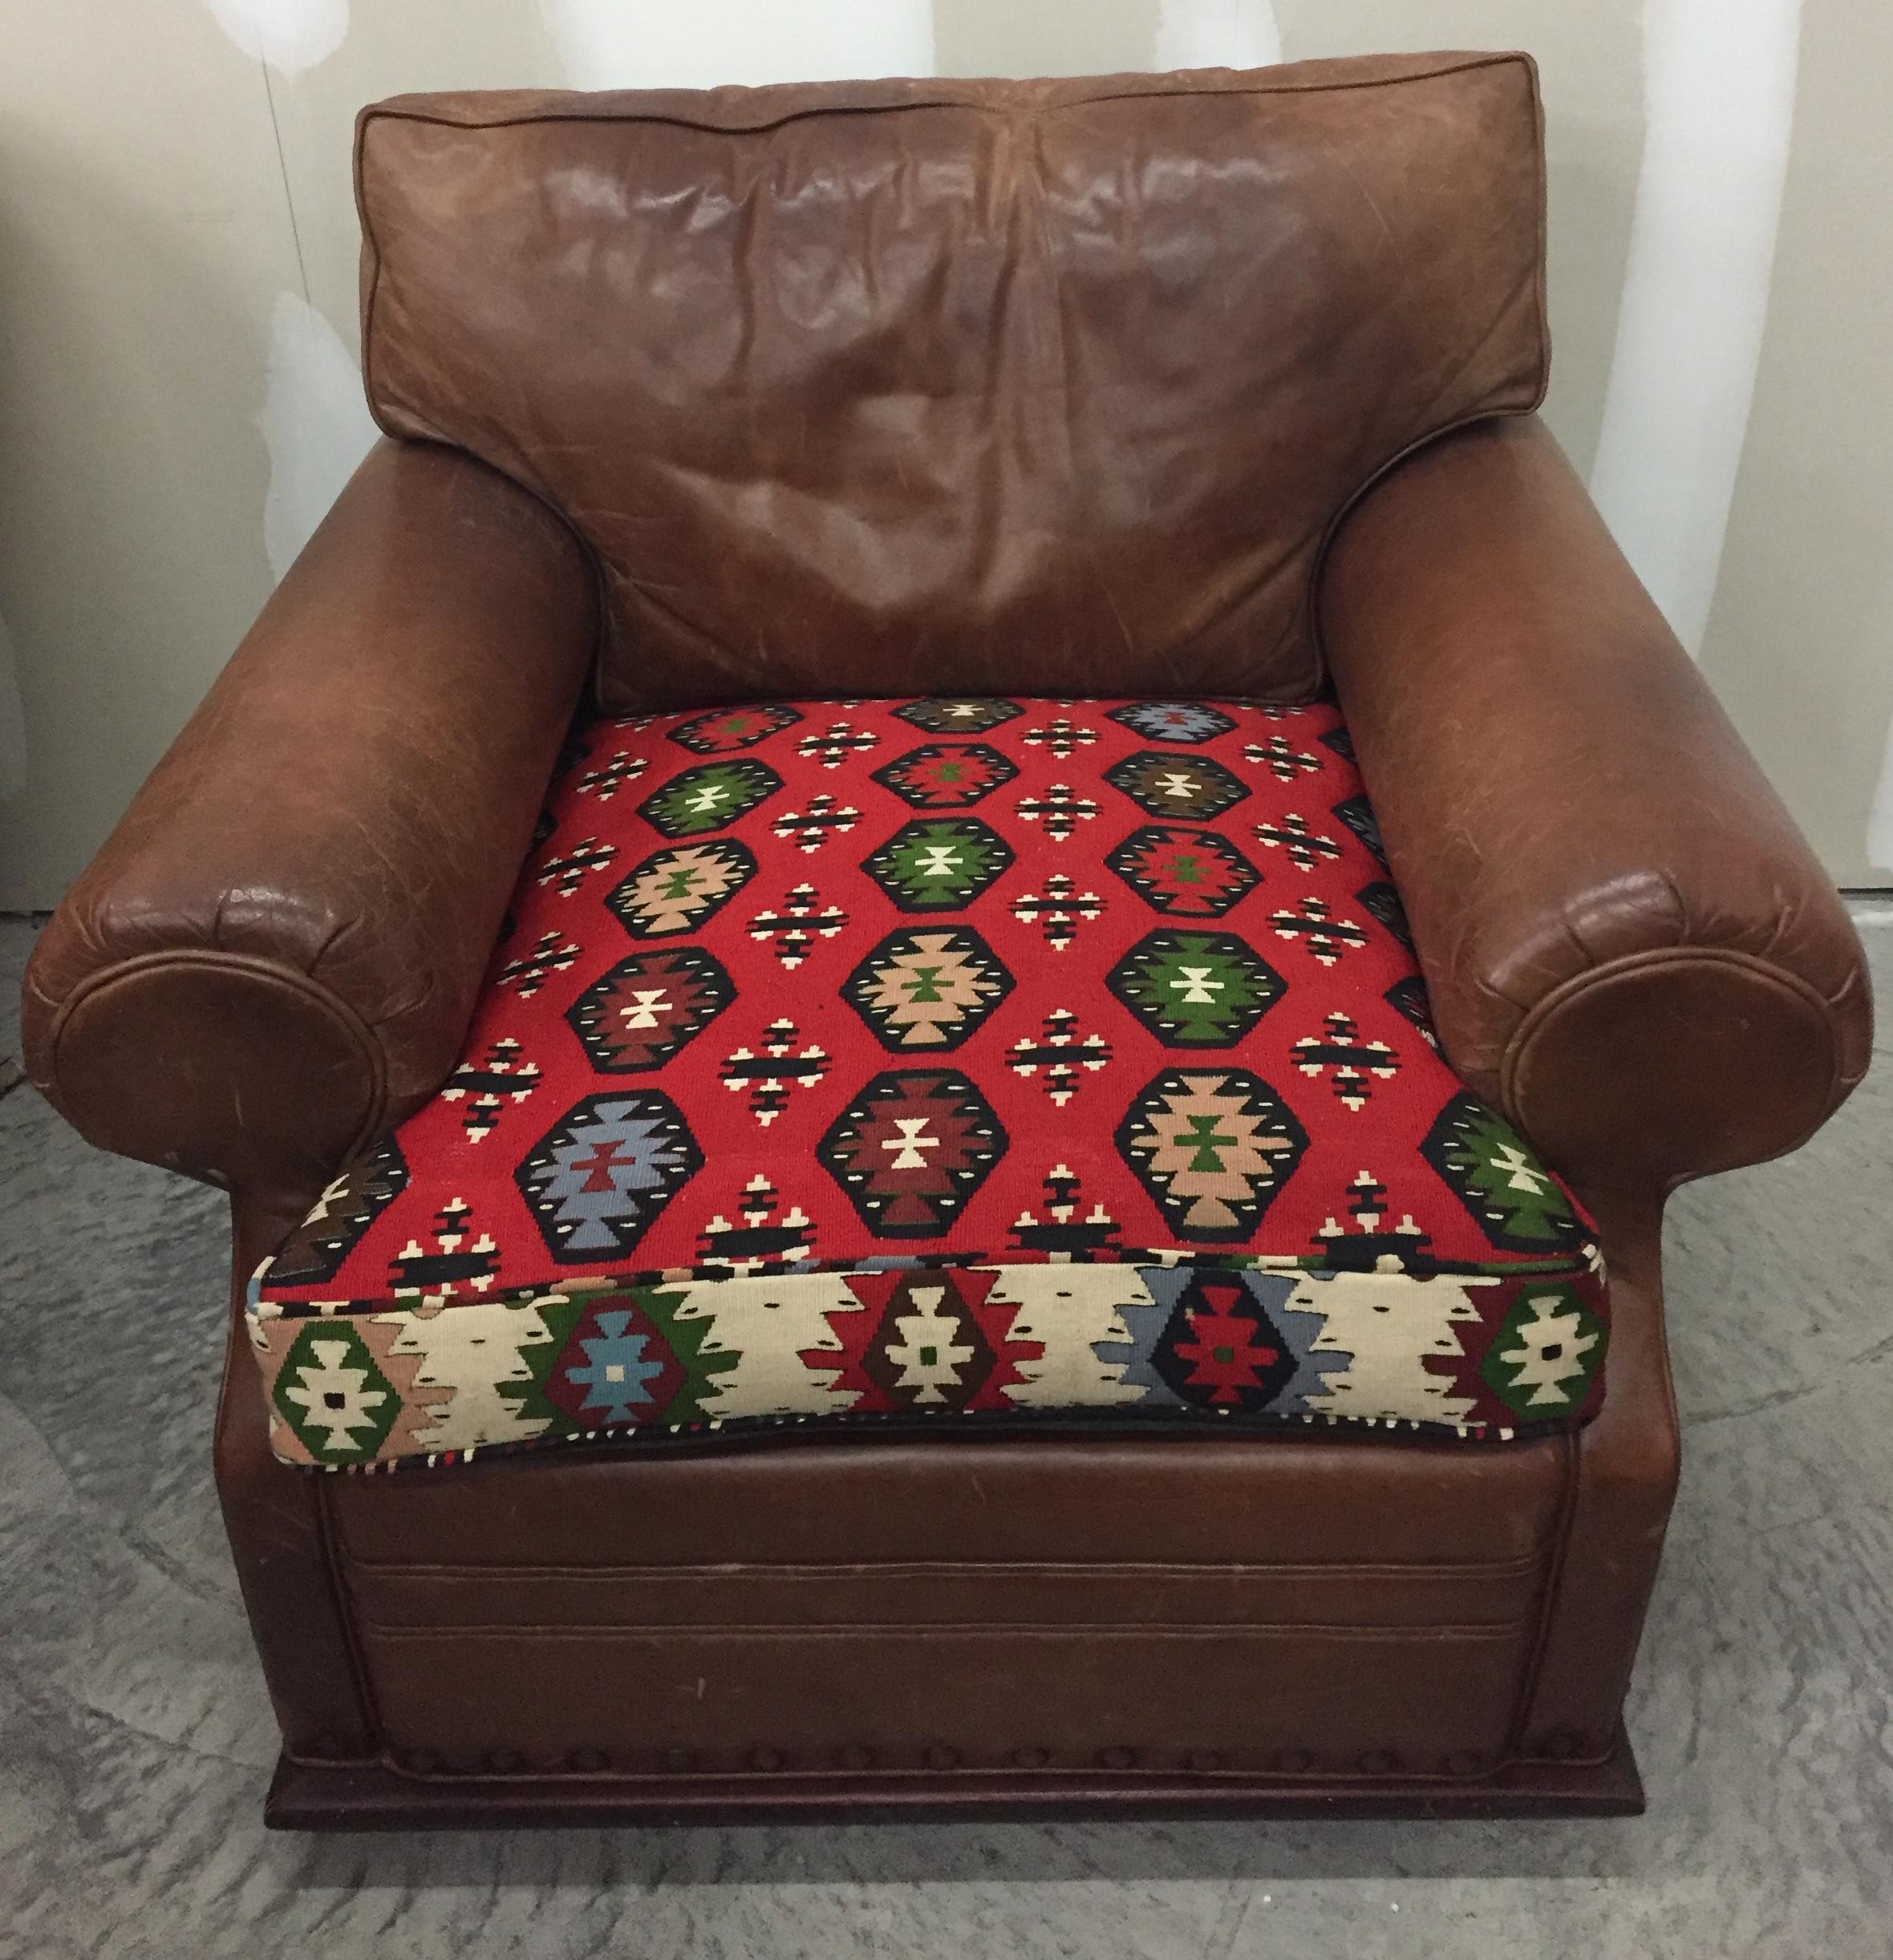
(1051, 387)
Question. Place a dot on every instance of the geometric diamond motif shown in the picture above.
(1061, 737)
(638, 1015)
(456, 1259)
(1195, 989)
(1058, 1054)
(835, 744)
(609, 778)
(791, 930)
(1305, 848)
(769, 1076)
(927, 989)
(1546, 1353)
(939, 864)
(674, 891)
(628, 1375)
(1212, 1149)
(598, 1178)
(491, 1083)
(1494, 1174)
(1372, 1244)
(957, 717)
(1068, 1229)
(768, 1235)
(1282, 760)
(708, 797)
(1061, 809)
(528, 971)
(332, 1394)
(911, 1149)
(1057, 910)
(808, 830)
(724, 729)
(1187, 873)
(1174, 721)
(1328, 937)
(1339, 1046)
(1219, 1350)
(568, 871)
(1178, 786)
(926, 1349)
(946, 775)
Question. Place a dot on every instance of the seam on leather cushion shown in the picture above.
(816, 1572)
(931, 1630)
(1540, 1020)
(607, 107)
(97, 988)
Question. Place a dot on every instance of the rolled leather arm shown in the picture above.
(1629, 947)
(275, 953)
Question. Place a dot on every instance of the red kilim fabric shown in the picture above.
(907, 1061)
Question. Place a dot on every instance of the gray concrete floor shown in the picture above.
(135, 1741)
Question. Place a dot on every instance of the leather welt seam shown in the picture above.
(945, 100)
(1492, 1630)
(1657, 960)
(210, 959)
(882, 1571)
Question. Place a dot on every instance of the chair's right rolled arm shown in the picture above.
(1629, 946)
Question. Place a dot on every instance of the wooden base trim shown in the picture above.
(368, 1796)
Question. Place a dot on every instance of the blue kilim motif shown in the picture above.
(616, 1377)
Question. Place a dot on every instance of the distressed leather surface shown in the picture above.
(1629, 947)
(1025, 387)
(277, 951)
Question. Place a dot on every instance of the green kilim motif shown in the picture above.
(709, 797)
(939, 865)
(1547, 1353)
(723, 729)
(1493, 1171)
(333, 1395)
(1195, 989)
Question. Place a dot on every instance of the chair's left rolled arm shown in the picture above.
(277, 952)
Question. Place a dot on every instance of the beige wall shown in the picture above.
(178, 262)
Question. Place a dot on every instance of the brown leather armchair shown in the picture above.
(1058, 393)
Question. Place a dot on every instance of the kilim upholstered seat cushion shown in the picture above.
(941, 1062)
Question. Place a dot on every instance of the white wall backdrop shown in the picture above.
(289, 35)
(609, 44)
(13, 724)
(180, 401)
(1217, 33)
(315, 425)
(1718, 118)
